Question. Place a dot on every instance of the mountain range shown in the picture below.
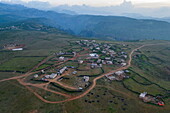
(92, 26)
(125, 8)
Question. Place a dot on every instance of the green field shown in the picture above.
(22, 64)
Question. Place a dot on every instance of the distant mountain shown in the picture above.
(103, 27)
(166, 19)
(113, 10)
(118, 10)
(136, 16)
(33, 24)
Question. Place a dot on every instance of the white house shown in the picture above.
(119, 73)
(17, 49)
(61, 58)
(86, 78)
(123, 64)
(94, 55)
(52, 76)
(61, 71)
(81, 61)
(142, 95)
(36, 76)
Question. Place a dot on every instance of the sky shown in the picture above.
(149, 3)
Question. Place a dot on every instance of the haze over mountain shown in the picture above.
(126, 8)
(101, 27)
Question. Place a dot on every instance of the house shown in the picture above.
(127, 71)
(93, 65)
(122, 60)
(61, 71)
(17, 49)
(112, 52)
(86, 78)
(81, 61)
(142, 95)
(124, 56)
(74, 72)
(111, 77)
(104, 52)
(161, 103)
(94, 55)
(119, 73)
(71, 67)
(109, 62)
(52, 76)
(43, 79)
(99, 61)
(98, 48)
(107, 58)
(123, 53)
(103, 62)
(151, 99)
(80, 88)
(123, 64)
(100, 65)
(91, 47)
(74, 53)
(14, 47)
(42, 71)
(93, 41)
(47, 76)
(36, 76)
(61, 58)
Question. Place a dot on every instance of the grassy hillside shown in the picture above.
(153, 63)
(40, 41)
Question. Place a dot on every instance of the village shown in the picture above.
(95, 57)
(75, 71)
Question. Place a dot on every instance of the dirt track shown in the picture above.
(70, 98)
